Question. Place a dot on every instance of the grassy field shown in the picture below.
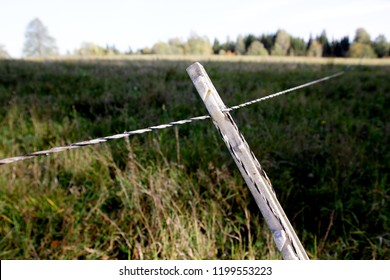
(176, 194)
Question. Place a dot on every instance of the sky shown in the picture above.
(138, 24)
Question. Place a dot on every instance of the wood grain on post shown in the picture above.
(260, 186)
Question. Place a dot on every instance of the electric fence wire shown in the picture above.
(162, 126)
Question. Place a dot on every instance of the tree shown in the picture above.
(129, 51)
(111, 50)
(240, 45)
(277, 51)
(323, 40)
(315, 49)
(177, 46)
(229, 46)
(268, 41)
(257, 48)
(362, 36)
(380, 45)
(361, 46)
(248, 39)
(340, 48)
(361, 50)
(216, 46)
(309, 42)
(298, 47)
(3, 52)
(344, 46)
(161, 48)
(38, 42)
(145, 50)
(198, 45)
(90, 49)
(282, 43)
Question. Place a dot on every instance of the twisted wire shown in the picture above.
(283, 92)
(160, 126)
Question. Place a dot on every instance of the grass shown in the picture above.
(176, 194)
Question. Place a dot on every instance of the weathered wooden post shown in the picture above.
(260, 186)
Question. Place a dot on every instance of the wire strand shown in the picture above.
(160, 126)
(283, 92)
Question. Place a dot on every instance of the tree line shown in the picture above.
(38, 43)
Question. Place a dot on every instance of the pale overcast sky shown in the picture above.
(138, 24)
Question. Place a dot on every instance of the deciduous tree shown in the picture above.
(111, 50)
(381, 46)
(361, 50)
(177, 46)
(3, 52)
(161, 48)
(197, 45)
(362, 36)
(282, 43)
(361, 46)
(38, 42)
(298, 47)
(315, 49)
(240, 46)
(257, 48)
(90, 49)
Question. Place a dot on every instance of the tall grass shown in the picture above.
(176, 194)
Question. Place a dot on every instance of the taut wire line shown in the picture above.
(160, 126)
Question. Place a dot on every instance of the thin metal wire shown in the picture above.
(283, 92)
(160, 126)
(99, 140)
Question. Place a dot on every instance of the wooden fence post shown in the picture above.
(260, 186)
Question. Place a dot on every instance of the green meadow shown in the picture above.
(176, 193)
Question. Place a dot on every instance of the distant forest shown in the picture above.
(279, 44)
(38, 43)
